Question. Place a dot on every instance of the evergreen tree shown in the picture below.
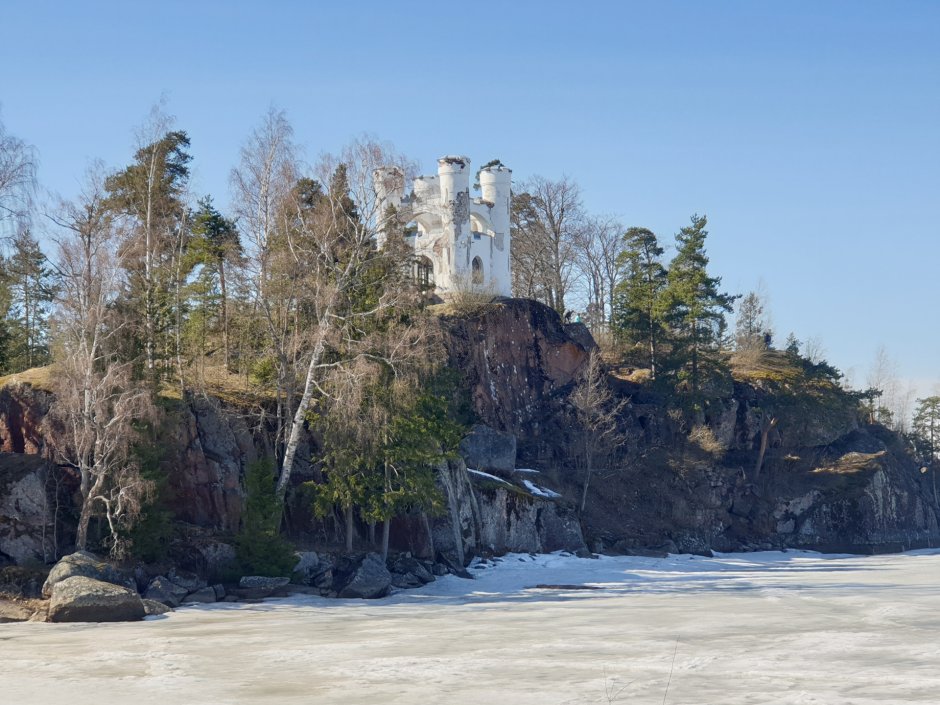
(696, 309)
(31, 287)
(150, 195)
(750, 330)
(926, 424)
(639, 296)
(215, 245)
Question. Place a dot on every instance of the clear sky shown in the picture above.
(808, 132)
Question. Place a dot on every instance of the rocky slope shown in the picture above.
(828, 482)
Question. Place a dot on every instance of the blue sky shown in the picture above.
(808, 132)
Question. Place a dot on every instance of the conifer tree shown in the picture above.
(696, 308)
(31, 282)
(149, 193)
(639, 296)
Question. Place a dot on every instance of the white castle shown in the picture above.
(460, 243)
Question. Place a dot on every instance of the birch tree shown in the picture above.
(97, 402)
(336, 243)
(17, 180)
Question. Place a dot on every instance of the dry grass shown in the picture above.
(704, 438)
(37, 377)
(229, 387)
(763, 365)
(851, 463)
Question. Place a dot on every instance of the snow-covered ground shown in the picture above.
(740, 628)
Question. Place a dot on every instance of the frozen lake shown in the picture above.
(740, 628)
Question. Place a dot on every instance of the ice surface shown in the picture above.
(781, 628)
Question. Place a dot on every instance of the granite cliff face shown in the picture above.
(828, 481)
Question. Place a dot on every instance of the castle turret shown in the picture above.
(454, 182)
(389, 185)
(496, 189)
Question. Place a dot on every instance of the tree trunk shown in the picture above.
(225, 355)
(386, 530)
(349, 528)
(587, 483)
(427, 529)
(767, 425)
(293, 439)
(81, 534)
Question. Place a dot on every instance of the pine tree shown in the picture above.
(696, 309)
(750, 330)
(149, 194)
(215, 245)
(31, 287)
(639, 296)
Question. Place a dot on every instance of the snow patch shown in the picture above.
(540, 491)
(480, 473)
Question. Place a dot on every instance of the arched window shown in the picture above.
(476, 270)
(424, 272)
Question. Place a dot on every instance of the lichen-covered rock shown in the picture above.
(162, 589)
(370, 579)
(88, 565)
(307, 568)
(205, 595)
(81, 599)
(153, 608)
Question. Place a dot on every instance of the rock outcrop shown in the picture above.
(81, 599)
(87, 565)
(368, 578)
(516, 359)
(35, 497)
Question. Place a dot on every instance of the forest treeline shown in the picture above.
(140, 292)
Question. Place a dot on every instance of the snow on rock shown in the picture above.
(480, 473)
(540, 491)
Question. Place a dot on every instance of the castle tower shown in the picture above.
(458, 241)
(453, 174)
(496, 190)
(389, 185)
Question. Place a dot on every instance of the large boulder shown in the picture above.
(369, 580)
(308, 567)
(485, 448)
(162, 589)
(258, 587)
(88, 565)
(81, 599)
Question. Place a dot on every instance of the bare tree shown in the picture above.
(598, 411)
(599, 246)
(261, 184)
(548, 220)
(17, 179)
(97, 403)
(883, 377)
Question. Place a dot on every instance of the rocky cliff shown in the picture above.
(828, 481)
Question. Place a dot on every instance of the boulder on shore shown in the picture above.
(369, 580)
(81, 599)
(87, 565)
